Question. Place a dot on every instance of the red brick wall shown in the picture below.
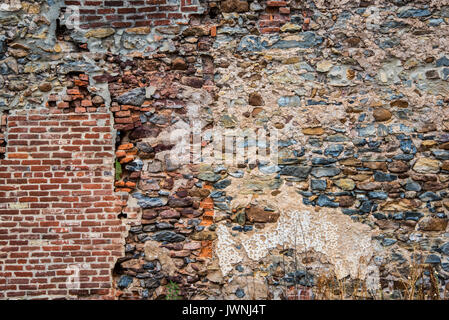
(58, 211)
(133, 13)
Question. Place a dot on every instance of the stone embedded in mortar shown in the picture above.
(258, 214)
(135, 97)
(255, 99)
(168, 236)
(179, 64)
(209, 176)
(301, 172)
(319, 172)
(431, 223)
(381, 114)
(289, 101)
(147, 202)
(345, 184)
(124, 281)
(426, 165)
(234, 6)
(99, 33)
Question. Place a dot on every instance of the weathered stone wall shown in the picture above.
(352, 196)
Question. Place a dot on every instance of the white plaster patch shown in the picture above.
(225, 250)
(345, 243)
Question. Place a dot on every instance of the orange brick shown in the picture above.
(130, 184)
(206, 250)
(127, 159)
(73, 91)
(120, 183)
(126, 146)
(63, 105)
(120, 153)
(17, 156)
(86, 103)
(207, 203)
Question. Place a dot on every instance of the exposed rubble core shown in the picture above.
(104, 195)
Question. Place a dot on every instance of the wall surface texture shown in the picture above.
(133, 163)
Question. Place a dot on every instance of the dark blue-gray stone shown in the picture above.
(366, 206)
(135, 165)
(408, 12)
(412, 215)
(384, 177)
(318, 184)
(404, 157)
(432, 259)
(144, 147)
(217, 194)
(442, 62)
(435, 22)
(349, 212)
(378, 195)
(143, 237)
(209, 176)
(386, 242)
(309, 40)
(398, 216)
(124, 282)
(379, 216)
(412, 186)
(389, 43)
(391, 24)
(158, 119)
(445, 248)
(221, 205)
(149, 228)
(250, 43)
(369, 130)
(135, 229)
(239, 293)
(2, 44)
(135, 97)
(237, 174)
(325, 201)
(149, 266)
(397, 257)
(222, 184)
(301, 172)
(407, 146)
(445, 73)
(325, 172)
(334, 150)
(307, 201)
(168, 236)
(164, 225)
(429, 196)
(147, 202)
(268, 169)
(441, 154)
(322, 161)
(287, 143)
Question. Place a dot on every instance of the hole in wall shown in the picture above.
(3, 141)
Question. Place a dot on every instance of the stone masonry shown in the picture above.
(106, 191)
